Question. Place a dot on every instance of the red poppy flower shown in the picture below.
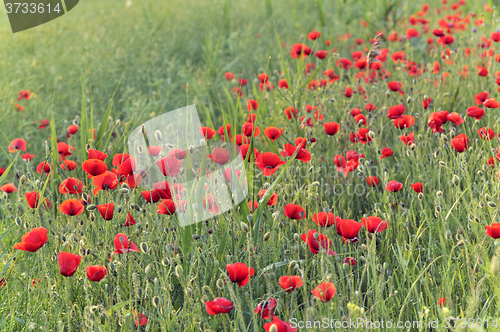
(166, 206)
(397, 56)
(491, 103)
(386, 152)
(303, 155)
(442, 301)
(140, 320)
(268, 163)
(68, 263)
(71, 186)
(408, 139)
(350, 261)
(242, 81)
(123, 245)
(273, 133)
(65, 149)
(265, 309)
(412, 33)
(418, 187)
(324, 291)
(106, 210)
(348, 228)
(150, 196)
(71, 130)
(344, 63)
(239, 273)
(455, 118)
(315, 241)
(374, 224)
(482, 71)
(324, 219)
(372, 181)
(486, 133)
(17, 144)
(331, 128)
(229, 76)
(272, 201)
(396, 87)
(94, 167)
(348, 92)
(252, 105)
(475, 112)
(460, 143)
(33, 240)
(162, 189)
(32, 198)
(283, 84)
(406, 121)
(169, 166)
(298, 50)
(395, 112)
(291, 112)
(294, 211)
(313, 35)
(24, 94)
(207, 132)
(96, 272)
(27, 156)
(493, 230)
(71, 207)
(290, 283)
(249, 130)
(393, 186)
(438, 32)
(279, 325)
(106, 181)
(8, 188)
(481, 97)
(219, 306)
(69, 165)
(219, 156)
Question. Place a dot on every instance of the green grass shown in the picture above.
(111, 67)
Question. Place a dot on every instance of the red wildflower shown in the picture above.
(239, 273)
(33, 240)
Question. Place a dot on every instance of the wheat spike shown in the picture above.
(374, 50)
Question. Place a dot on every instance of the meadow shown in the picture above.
(368, 132)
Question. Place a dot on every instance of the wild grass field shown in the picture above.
(368, 132)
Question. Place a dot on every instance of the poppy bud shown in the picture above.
(444, 138)
(165, 261)
(442, 163)
(169, 146)
(437, 209)
(22, 180)
(91, 207)
(492, 204)
(123, 191)
(345, 266)
(92, 217)
(273, 328)
(156, 301)
(267, 236)
(479, 173)
(455, 180)
(158, 135)
(408, 100)
(145, 247)
(37, 183)
(220, 283)
(439, 193)
(275, 215)
(292, 265)
(179, 271)
(296, 237)
(413, 146)
(244, 226)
